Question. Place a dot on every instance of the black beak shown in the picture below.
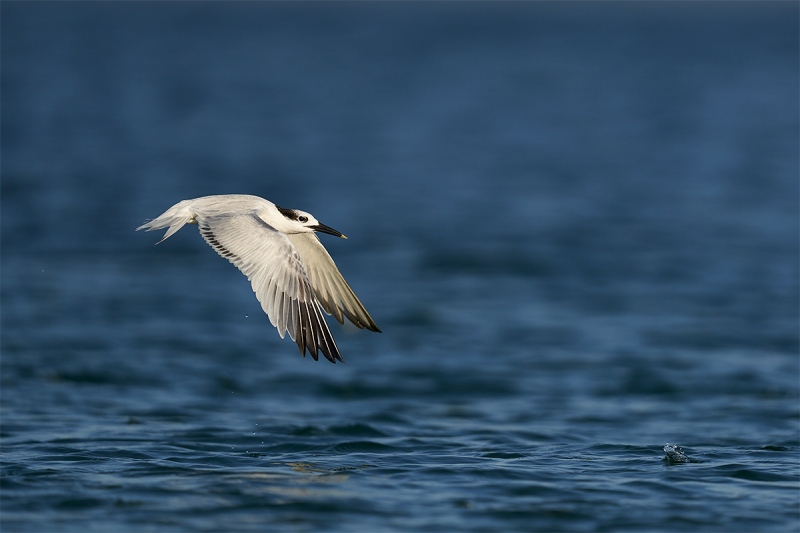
(327, 229)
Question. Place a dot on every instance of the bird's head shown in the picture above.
(296, 221)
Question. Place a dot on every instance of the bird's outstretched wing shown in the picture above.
(331, 289)
(275, 270)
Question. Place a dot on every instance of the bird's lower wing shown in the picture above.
(332, 290)
(276, 272)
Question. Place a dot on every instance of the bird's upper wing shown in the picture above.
(275, 269)
(331, 289)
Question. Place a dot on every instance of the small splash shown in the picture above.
(674, 454)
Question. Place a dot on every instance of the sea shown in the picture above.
(576, 224)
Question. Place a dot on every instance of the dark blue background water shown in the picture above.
(576, 224)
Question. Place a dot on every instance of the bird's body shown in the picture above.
(292, 274)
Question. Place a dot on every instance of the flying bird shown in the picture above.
(292, 274)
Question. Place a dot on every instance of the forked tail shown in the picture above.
(173, 218)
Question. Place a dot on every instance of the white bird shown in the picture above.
(292, 274)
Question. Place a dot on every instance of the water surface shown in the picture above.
(576, 225)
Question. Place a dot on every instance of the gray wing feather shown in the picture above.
(280, 281)
(330, 288)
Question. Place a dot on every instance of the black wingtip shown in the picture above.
(331, 356)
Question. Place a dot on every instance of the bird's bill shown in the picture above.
(327, 229)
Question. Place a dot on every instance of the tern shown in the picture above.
(292, 274)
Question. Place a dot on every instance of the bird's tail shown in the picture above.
(173, 218)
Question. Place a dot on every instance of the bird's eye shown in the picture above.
(302, 219)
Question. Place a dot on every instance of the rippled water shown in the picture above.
(577, 226)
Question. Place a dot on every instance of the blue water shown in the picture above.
(576, 225)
